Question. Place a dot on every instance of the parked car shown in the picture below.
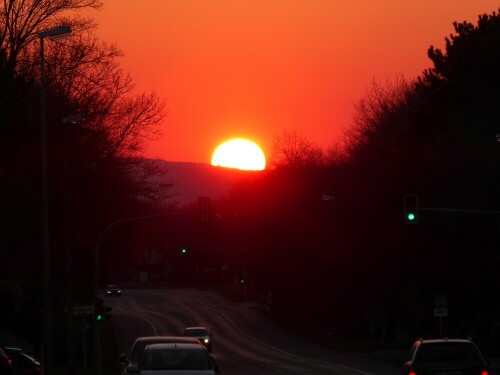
(201, 333)
(5, 363)
(445, 356)
(140, 344)
(165, 359)
(23, 363)
(112, 290)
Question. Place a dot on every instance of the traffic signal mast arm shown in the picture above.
(464, 210)
(411, 209)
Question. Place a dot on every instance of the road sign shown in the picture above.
(440, 301)
(441, 312)
(83, 310)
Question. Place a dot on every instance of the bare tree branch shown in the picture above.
(292, 149)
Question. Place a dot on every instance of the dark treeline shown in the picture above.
(96, 131)
(351, 266)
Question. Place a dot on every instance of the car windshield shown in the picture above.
(195, 332)
(176, 359)
(447, 352)
(139, 346)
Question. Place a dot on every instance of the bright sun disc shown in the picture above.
(240, 154)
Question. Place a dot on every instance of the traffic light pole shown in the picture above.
(412, 208)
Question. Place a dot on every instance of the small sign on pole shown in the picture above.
(440, 300)
(83, 310)
(440, 312)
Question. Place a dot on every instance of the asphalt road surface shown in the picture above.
(245, 340)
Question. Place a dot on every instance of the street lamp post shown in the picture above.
(56, 33)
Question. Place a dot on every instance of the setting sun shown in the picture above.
(240, 154)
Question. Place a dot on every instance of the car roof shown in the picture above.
(173, 345)
(167, 339)
(444, 340)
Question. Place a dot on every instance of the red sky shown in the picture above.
(252, 68)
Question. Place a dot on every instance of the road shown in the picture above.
(245, 340)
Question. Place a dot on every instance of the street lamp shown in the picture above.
(56, 33)
(328, 198)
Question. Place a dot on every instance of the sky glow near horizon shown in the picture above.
(251, 69)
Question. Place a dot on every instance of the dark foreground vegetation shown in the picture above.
(349, 266)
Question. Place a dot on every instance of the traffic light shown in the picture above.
(184, 250)
(410, 209)
(99, 309)
(204, 209)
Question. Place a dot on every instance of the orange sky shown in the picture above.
(251, 68)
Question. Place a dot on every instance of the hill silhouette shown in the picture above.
(188, 181)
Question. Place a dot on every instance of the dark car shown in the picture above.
(140, 344)
(5, 363)
(112, 290)
(445, 356)
(201, 333)
(23, 363)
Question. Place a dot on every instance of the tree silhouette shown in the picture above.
(377, 276)
(96, 170)
(21, 20)
(293, 149)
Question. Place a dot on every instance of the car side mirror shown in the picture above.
(123, 359)
(133, 368)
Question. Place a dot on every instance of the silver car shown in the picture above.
(175, 359)
(140, 344)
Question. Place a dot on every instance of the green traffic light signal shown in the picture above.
(411, 208)
(98, 309)
(183, 250)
